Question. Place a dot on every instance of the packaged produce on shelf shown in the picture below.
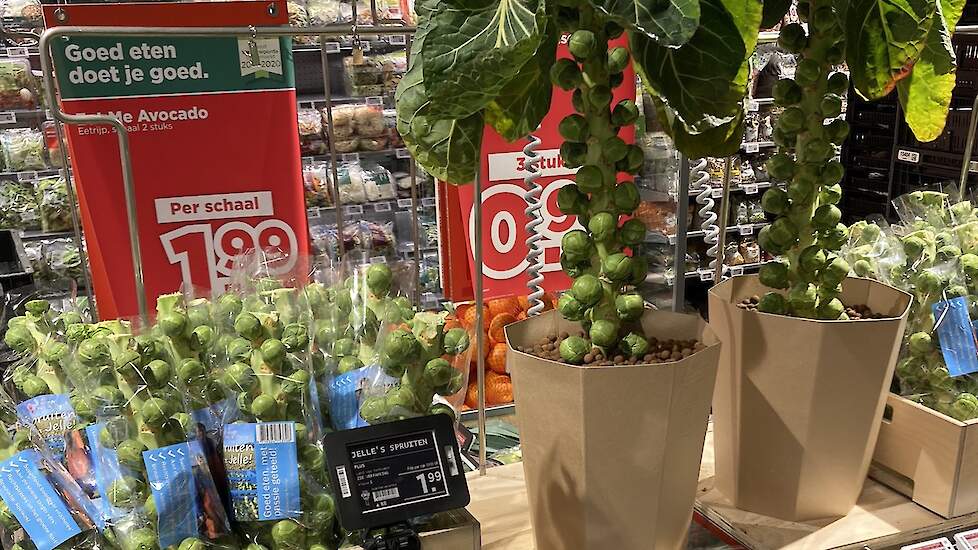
(361, 182)
(312, 141)
(23, 149)
(151, 473)
(749, 250)
(658, 216)
(56, 262)
(370, 238)
(430, 275)
(394, 140)
(299, 17)
(315, 179)
(18, 205)
(55, 207)
(18, 88)
(932, 254)
(52, 144)
(41, 506)
(364, 76)
(358, 127)
(22, 11)
(661, 163)
(328, 12)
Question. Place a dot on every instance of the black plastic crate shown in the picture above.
(15, 267)
(859, 203)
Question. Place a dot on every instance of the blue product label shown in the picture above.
(262, 470)
(957, 336)
(170, 471)
(52, 415)
(346, 393)
(34, 501)
(213, 417)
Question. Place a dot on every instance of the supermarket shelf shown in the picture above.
(657, 237)
(749, 189)
(707, 274)
(755, 146)
(35, 235)
(31, 175)
(495, 410)
(399, 152)
(312, 101)
(379, 207)
(345, 46)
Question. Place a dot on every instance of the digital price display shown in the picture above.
(392, 472)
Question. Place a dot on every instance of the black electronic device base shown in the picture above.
(399, 536)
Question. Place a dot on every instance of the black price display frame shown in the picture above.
(392, 472)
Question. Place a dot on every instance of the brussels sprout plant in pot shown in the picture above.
(496, 64)
(802, 383)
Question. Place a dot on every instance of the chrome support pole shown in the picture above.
(480, 332)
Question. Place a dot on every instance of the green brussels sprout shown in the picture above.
(803, 296)
(830, 106)
(288, 534)
(582, 44)
(142, 539)
(565, 74)
(590, 178)
(826, 216)
(834, 273)
(574, 127)
(929, 282)
(53, 351)
(862, 268)
(296, 382)
(634, 345)
(617, 267)
(786, 92)
(969, 264)
(401, 345)
(442, 408)
(602, 227)
(75, 333)
(438, 371)
(456, 341)
(109, 396)
(312, 458)
(192, 544)
(247, 326)
(784, 232)
(379, 279)
(812, 259)
(603, 333)
(775, 201)
(295, 336)
(837, 131)
(948, 252)
(571, 200)
(618, 59)
(626, 197)
(600, 96)
(832, 309)
(793, 38)
(640, 270)
(632, 232)
(93, 353)
(819, 149)
(374, 409)
(781, 167)
(791, 120)
(920, 343)
(573, 269)
(573, 154)
(37, 308)
(587, 289)
(834, 238)
(34, 386)
(130, 453)
(272, 352)
(19, 339)
(964, 407)
(614, 149)
(577, 99)
(774, 275)
(349, 363)
(767, 243)
(239, 349)
(570, 307)
(573, 349)
(633, 161)
(629, 307)
(202, 337)
(155, 411)
(343, 347)
(263, 406)
(126, 492)
(172, 323)
(838, 83)
(807, 72)
(402, 396)
(157, 373)
(831, 194)
(624, 113)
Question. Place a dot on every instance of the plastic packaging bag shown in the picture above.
(52, 199)
(311, 138)
(18, 205)
(316, 184)
(18, 89)
(23, 149)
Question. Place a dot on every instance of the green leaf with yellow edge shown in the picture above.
(723, 140)
(925, 94)
(446, 148)
(884, 39)
(523, 103)
(667, 22)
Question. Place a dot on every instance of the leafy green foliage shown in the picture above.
(670, 23)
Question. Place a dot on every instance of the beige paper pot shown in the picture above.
(612, 454)
(798, 402)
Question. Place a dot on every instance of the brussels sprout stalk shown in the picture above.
(807, 232)
(600, 297)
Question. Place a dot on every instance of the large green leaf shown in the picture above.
(668, 22)
(703, 83)
(951, 10)
(925, 95)
(719, 141)
(774, 12)
(884, 38)
(475, 48)
(445, 147)
(525, 101)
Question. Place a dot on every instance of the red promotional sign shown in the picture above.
(214, 148)
(503, 217)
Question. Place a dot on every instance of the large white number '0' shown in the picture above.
(551, 238)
